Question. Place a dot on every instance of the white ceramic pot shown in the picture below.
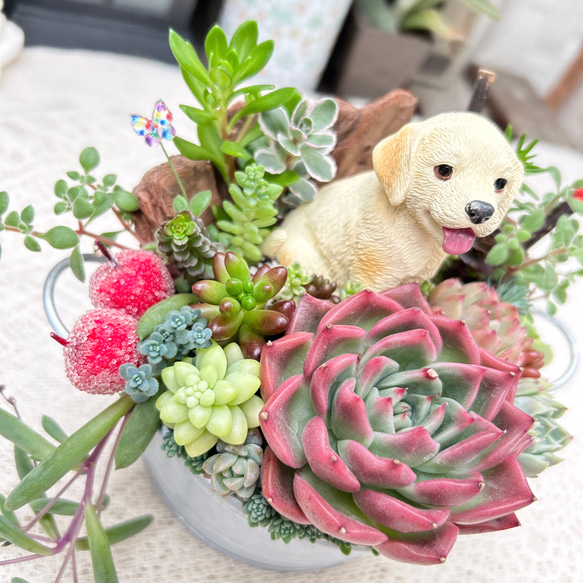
(222, 524)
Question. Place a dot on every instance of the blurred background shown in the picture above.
(363, 48)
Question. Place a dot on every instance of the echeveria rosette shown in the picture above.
(533, 396)
(213, 398)
(140, 382)
(495, 325)
(235, 303)
(388, 426)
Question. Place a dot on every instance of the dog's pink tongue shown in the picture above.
(457, 241)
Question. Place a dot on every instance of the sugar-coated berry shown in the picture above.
(137, 281)
(100, 341)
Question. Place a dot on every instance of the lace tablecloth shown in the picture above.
(53, 104)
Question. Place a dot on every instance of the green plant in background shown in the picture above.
(86, 199)
(418, 15)
(530, 220)
(243, 225)
(300, 140)
(230, 64)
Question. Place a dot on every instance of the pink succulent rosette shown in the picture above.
(388, 426)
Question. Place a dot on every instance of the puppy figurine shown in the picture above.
(436, 185)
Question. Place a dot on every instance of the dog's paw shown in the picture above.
(274, 242)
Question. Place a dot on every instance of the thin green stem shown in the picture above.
(174, 171)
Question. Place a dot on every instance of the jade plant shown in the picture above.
(235, 303)
(389, 426)
(212, 399)
(223, 136)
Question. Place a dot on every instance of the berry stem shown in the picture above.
(105, 240)
(62, 341)
(172, 167)
(105, 251)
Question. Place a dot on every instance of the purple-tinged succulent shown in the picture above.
(235, 303)
(388, 426)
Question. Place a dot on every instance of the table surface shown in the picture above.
(53, 104)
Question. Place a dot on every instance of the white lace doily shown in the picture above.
(54, 103)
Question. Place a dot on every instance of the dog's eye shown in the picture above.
(443, 171)
(500, 183)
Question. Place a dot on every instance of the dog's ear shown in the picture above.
(391, 160)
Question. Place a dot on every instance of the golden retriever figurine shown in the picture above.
(436, 185)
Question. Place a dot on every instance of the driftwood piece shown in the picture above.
(358, 131)
(158, 188)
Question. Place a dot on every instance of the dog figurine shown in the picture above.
(436, 185)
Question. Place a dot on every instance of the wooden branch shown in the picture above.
(484, 79)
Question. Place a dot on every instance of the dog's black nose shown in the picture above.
(479, 211)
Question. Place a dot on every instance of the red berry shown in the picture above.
(101, 341)
(137, 280)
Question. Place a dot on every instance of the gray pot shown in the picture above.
(222, 524)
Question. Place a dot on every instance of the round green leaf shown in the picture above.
(109, 180)
(60, 237)
(60, 208)
(126, 201)
(74, 175)
(32, 244)
(82, 208)
(4, 202)
(497, 255)
(200, 202)
(89, 159)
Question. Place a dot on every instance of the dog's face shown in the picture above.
(455, 173)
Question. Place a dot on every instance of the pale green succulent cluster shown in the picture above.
(301, 142)
(548, 437)
(235, 469)
(211, 399)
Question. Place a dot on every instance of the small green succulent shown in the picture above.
(235, 469)
(235, 302)
(258, 510)
(244, 224)
(212, 399)
(140, 382)
(186, 243)
(297, 278)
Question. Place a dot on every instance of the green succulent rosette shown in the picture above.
(211, 398)
(235, 303)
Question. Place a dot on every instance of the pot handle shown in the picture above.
(49, 293)
(568, 373)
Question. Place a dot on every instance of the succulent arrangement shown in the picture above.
(393, 420)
